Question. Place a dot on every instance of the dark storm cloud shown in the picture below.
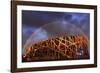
(39, 18)
(81, 20)
(32, 20)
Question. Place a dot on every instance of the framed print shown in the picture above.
(52, 36)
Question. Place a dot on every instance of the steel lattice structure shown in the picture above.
(58, 48)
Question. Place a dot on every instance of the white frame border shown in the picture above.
(52, 63)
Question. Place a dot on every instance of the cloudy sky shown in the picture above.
(32, 20)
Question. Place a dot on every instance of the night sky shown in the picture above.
(32, 20)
